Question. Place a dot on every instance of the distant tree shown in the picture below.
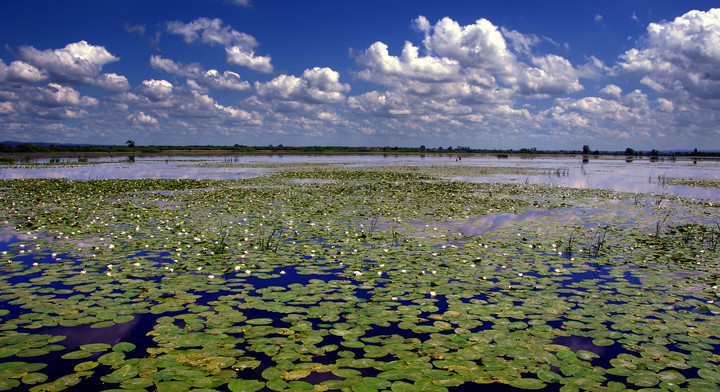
(629, 151)
(449, 148)
(422, 147)
(586, 149)
(654, 153)
(130, 143)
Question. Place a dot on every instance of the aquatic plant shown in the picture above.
(428, 301)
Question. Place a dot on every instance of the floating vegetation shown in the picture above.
(378, 278)
(695, 182)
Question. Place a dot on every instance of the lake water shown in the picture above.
(638, 175)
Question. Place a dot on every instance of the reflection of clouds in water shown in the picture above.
(141, 171)
(479, 226)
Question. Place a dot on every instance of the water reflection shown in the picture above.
(616, 173)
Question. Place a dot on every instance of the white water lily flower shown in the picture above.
(237, 268)
(403, 271)
(211, 276)
(35, 264)
(137, 264)
(282, 272)
(357, 273)
(83, 272)
(108, 273)
(199, 268)
(433, 294)
(520, 274)
(109, 266)
(248, 272)
(379, 273)
(394, 299)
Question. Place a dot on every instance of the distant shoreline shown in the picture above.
(175, 151)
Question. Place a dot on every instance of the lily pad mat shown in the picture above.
(367, 281)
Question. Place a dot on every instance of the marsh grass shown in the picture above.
(597, 242)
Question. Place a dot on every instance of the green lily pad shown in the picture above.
(528, 383)
(95, 347)
(246, 385)
(34, 378)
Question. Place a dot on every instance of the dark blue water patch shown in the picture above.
(134, 331)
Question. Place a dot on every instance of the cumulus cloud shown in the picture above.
(381, 64)
(466, 62)
(212, 78)
(210, 31)
(156, 90)
(140, 118)
(680, 56)
(611, 90)
(479, 45)
(56, 95)
(239, 46)
(19, 71)
(551, 75)
(77, 62)
(244, 57)
(379, 103)
(317, 85)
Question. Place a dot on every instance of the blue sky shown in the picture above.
(483, 74)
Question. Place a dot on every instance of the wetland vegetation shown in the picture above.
(322, 277)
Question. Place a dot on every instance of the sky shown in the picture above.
(551, 75)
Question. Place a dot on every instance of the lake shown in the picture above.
(359, 273)
(601, 172)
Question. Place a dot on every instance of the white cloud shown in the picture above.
(665, 105)
(112, 82)
(479, 45)
(77, 62)
(239, 47)
(140, 118)
(598, 18)
(212, 78)
(520, 43)
(19, 71)
(408, 65)
(462, 58)
(681, 56)
(379, 103)
(612, 91)
(156, 90)
(211, 31)
(57, 95)
(238, 55)
(551, 75)
(317, 85)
